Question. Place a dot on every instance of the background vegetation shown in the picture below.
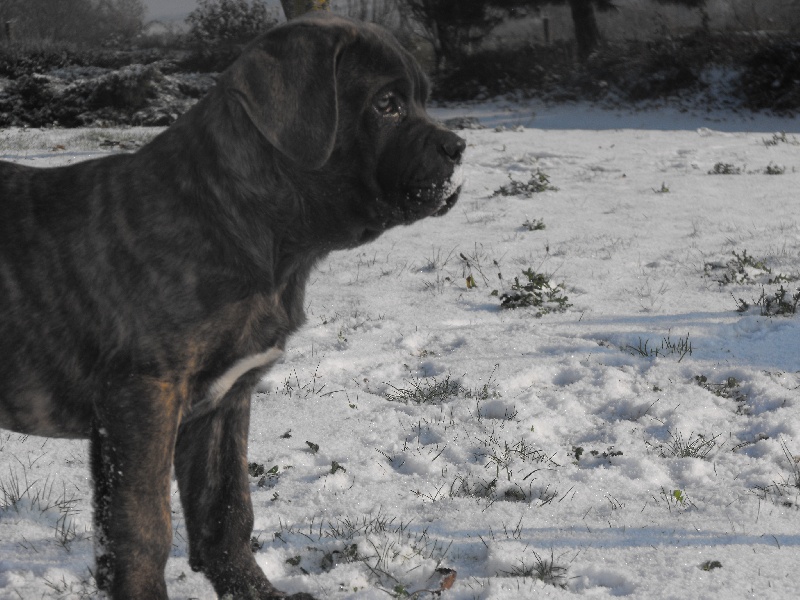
(88, 62)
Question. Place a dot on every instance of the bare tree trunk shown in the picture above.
(587, 35)
(295, 8)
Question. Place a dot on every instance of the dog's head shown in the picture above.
(344, 104)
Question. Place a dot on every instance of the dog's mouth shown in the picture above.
(449, 203)
(412, 203)
(414, 206)
(437, 199)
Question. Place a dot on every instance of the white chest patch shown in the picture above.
(223, 384)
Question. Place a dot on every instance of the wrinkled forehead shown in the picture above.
(381, 58)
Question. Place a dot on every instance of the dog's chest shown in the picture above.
(236, 348)
(244, 365)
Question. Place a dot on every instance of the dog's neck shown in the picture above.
(228, 179)
(235, 178)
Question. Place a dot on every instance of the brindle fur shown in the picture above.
(130, 284)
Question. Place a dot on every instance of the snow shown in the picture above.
(590, 437)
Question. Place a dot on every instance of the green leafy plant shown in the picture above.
(265, 477)
(780, 303)
(676, 499)
(743, 269)
(539, 182)
(535, 290)
(534, 224)
(774, 170)
(721, 168)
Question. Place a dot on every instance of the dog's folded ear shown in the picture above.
(286, 82)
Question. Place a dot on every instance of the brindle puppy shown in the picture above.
(142, 296)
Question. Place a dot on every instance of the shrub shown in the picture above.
(129, 88)
(771, 77)
(37, 57)
(219, 28)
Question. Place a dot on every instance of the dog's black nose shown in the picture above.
(453, 146)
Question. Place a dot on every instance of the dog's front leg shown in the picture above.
(132, 447)
(211, 467)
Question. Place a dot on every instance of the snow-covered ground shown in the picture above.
(644, 442)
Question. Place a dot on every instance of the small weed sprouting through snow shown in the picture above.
(741, 269)
(677, 499)
(543, 569)
(781, 303)
(83, 588)
(695, 446)
(539, 182)
(266, 478)
(534, 224)
(19, 495)
(780, 138)
(724, 169)
(730, 389)
(430, 390)
(426, 391)
(389, 550)
(668, 348)
(794, 465)
(786, 490)
(536, 292)
(710, 565)
(774, 170)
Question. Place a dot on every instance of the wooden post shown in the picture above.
(9, 29)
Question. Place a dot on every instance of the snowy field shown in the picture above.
(640, 438)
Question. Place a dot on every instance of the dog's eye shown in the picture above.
(388, 104)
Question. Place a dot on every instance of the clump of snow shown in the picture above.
(456, 181)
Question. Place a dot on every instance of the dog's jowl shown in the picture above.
(143, 296)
